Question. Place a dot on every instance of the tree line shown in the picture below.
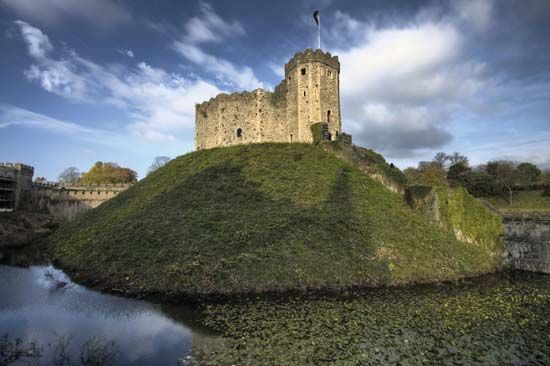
(104, 173)
(495, 178)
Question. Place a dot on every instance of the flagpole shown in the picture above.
(319, 32)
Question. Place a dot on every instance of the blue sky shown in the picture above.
(82, 81)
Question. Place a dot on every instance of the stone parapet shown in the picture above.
(310, 55)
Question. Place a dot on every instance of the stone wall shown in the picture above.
(66, 201)
(309, 94)
(457, 211)
(244, 118)
(15, 179)
(527, 240)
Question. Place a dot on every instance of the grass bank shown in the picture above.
(263, 217)
(523, 201)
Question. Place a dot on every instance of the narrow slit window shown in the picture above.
(304, 93)
(239, 132)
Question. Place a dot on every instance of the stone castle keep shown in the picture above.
(310, 93)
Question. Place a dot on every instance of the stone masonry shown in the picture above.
(527, 241)
(310, 93)
(15, 180)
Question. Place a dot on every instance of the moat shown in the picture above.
(495, 319)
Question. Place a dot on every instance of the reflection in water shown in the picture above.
(498, 319)
(34, 307)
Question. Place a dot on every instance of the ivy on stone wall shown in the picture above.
(470, 219)
(317, 132)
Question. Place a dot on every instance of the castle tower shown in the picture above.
(313, 83)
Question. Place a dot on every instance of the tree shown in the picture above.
(157, 163)
(458, 172)
(430, 173)
(544, 181)
(108, 173)
(544, 178)
(527, 174)
(505, 175)
(411, 174)
(441, 159)
(70, 175)
(480, 184)
(457, 158)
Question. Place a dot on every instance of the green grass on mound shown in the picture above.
(258, 218)
(523, 201)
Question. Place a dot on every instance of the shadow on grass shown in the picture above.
(216, 231)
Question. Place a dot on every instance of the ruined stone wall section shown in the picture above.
(308, 94)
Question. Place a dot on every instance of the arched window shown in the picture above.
(328, 116)
(239, 132)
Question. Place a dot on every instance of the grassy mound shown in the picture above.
(259, 218)
(523, 201)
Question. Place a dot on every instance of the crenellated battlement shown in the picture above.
(80, 186)
(68, 200)
(244, 96)
(25, 169)
(310, 55)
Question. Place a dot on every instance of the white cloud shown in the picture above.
(126, 52)
(12, 116)
(223, 70)
(159, 104)
(474, 13)
(206, 27)
(210, 27)
(401, 85)
(38, 43)
(99, 13)
(278, 69)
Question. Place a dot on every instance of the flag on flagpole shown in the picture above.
(317, 18)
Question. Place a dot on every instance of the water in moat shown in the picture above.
(496, 319)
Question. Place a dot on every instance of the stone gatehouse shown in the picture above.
(310, 93)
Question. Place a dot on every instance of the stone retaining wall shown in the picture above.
(527, 241)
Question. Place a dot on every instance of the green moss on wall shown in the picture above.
(416, 195)
(469, 219)
(317, 132)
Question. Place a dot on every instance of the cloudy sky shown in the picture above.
(82, 81)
